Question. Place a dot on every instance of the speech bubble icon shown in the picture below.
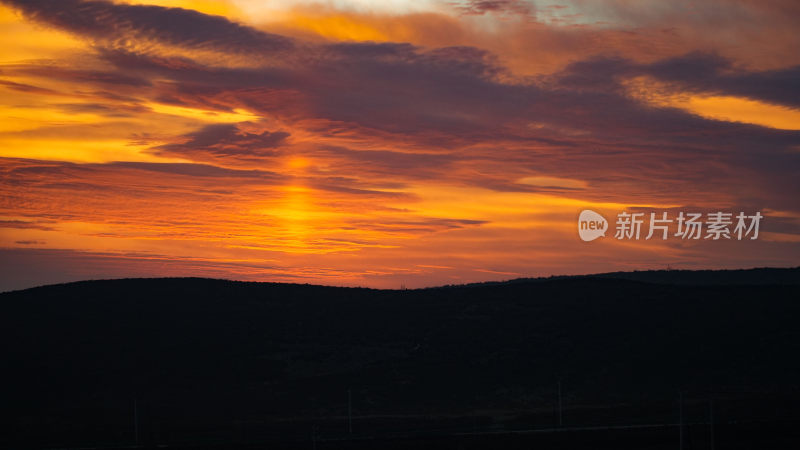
(591, 225)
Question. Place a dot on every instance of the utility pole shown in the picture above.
(680, 418)
(560, 414)
(135, 421)
(711, 422)
(314, 437)
(350, 411)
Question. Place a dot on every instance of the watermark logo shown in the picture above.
(713, 226)
(591, 225)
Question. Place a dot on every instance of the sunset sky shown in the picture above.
(384, 143)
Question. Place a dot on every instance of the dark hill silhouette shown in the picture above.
(221, 361)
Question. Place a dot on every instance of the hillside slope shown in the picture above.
(200, 356)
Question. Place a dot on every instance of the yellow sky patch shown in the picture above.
(96, 151)
(337, 27)
(717, 107)
(211, 7)
(736, 109)
(19, 118)
(38, 42)
(237, 115)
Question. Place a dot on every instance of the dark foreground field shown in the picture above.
(197, 363)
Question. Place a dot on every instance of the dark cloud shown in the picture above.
(392, 87)
(107, 110)
(89, 77)
(34, 174)
(119, 23)
(392, 160)
(480, 7)
(712, 74)
(226, 140)
(22, 224)
(196, 170)
(411, 91)
(182, 69)
(461, 95)
(697, 72)
(22, 87)
(439, 104)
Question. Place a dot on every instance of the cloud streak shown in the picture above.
(117, 24)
